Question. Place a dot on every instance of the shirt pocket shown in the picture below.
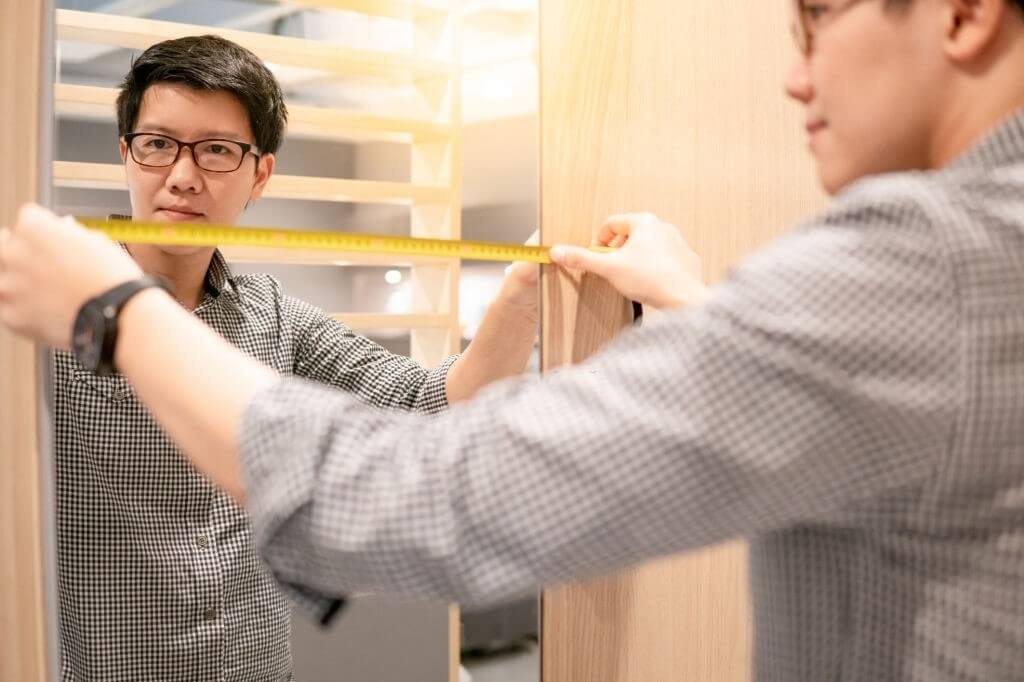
(106, 425)
(113, 389)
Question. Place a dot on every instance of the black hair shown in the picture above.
(208, 62)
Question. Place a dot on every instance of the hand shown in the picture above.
(651, 263)
(520, 286)
(49, 267)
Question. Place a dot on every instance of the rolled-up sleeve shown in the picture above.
(821, 375)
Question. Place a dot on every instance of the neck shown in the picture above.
(186, 272)
(962, 128)
(979, 99)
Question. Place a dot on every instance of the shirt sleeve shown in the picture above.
(821, 376)
(329, 352)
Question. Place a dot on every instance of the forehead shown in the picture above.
(182, 111)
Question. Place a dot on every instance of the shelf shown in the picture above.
(136, 33)
(110, 176)
(395, 9)
(89, 102)
(396, 321)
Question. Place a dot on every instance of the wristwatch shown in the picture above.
(94, 335)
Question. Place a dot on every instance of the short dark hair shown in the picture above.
(208, 62)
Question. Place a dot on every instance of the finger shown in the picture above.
(619, 225)
(612, 231)
(32, 214)
(578, 258)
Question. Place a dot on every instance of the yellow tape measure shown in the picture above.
(195, 234)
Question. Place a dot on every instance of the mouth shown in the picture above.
(815, 126)
(179, 213)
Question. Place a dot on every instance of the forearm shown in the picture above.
(500, 349)
(197, 396)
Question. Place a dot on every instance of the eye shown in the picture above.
(217, 149)
(157, 143)
(815, 12)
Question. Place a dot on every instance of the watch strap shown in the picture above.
(111, 302)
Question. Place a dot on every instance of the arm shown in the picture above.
(329, 352)
(822, 375)
(504, 341)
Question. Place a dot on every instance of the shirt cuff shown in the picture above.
(434, 394)
(278, 457)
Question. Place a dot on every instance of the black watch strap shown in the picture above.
(109, 305)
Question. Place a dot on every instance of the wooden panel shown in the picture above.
(110, 176)
(89, 102)
(674, 108)
(23, 625)
(132, 32)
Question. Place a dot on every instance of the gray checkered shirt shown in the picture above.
(851, 400)
(158, 578)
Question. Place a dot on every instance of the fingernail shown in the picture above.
(557, 253)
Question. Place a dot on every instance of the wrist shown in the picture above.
(144, 309)
(517, 294)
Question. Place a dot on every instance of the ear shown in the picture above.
(971, 27)
(122, 149)
(264, 169)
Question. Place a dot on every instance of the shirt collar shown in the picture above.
(218, 275)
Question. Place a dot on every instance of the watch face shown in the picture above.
(87, 341)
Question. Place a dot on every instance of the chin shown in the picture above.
(835, 179)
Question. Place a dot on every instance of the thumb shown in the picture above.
(580, 258)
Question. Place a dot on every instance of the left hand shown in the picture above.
(49, 267)
(651, 263)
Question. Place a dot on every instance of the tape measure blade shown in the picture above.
(193, 234)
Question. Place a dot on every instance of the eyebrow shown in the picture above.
(204, 135)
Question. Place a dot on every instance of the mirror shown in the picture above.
(384, 136)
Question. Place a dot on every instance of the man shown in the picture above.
(850, 400)
(158, 579)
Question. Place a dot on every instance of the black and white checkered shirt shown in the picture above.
(851, 400)
(158, 579)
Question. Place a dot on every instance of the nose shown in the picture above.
(798, 81)
(185, 175)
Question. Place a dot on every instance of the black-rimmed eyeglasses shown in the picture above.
(812, 16)
(213, 155)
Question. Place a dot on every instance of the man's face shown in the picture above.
(183, 192)
(871, 87)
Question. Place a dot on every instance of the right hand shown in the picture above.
(651, 263)
(49, 267)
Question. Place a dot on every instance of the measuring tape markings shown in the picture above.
(193, 234)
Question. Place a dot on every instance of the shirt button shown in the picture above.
(203, 541)
(210, 614)
(119, 394)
